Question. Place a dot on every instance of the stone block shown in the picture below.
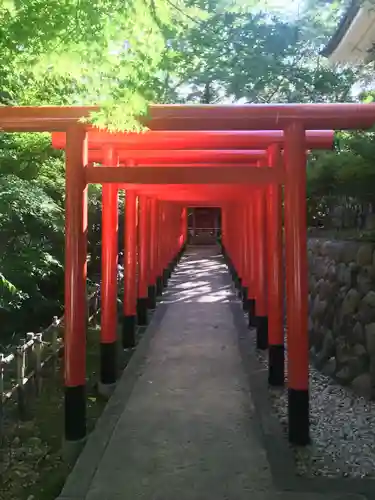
(370, 338)
(357, 335)
(362, 386)
(369, 298)
(364, 255)
(350, 302)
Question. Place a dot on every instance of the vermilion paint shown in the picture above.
(108, 332)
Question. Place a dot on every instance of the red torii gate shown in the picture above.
(98, 144)
(285, 127)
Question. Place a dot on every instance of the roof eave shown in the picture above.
(342, 28)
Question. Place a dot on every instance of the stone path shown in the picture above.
(184, 428)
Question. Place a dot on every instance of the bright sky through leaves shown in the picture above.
(287, 8)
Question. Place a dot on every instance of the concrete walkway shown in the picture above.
(183, 429)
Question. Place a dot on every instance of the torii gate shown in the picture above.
(209, 177)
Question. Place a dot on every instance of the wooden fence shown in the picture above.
(24, 365)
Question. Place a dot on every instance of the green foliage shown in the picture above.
(32, 192)
(348, 172)
(31, 228)
(253, 54)
(31, 214)
(123, 55)
(87, 52)
(248, 55)
(107, 52)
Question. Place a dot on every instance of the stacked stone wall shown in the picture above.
(342, 311)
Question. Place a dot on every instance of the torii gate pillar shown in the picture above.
(75, 284)
(130, 267)
(296, 283)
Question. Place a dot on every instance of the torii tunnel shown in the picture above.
(248, 160)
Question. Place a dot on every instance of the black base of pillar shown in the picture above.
(262, 332)
(298, 417)
(152, 297)
(165, 277)
(276, 365)
(108, 363)
(128, 331)
(171, 267)
(239, 289)
(75, 413)
(244, 298)
(142, 311)
(159, 286)
(253, 322)
(251, 311)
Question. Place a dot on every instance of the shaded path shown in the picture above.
(184, 430)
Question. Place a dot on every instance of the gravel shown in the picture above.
(342, 427)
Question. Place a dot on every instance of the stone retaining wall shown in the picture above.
(342, 311)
